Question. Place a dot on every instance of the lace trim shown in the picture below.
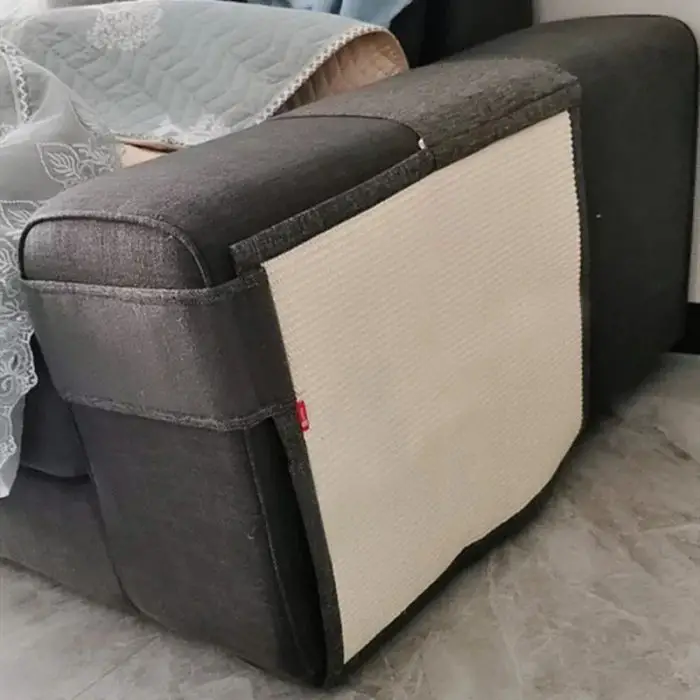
(17, 372)
(20, 89)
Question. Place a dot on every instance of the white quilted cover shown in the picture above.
(182, 72)
(436, 341)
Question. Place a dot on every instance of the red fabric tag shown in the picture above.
(303, 417)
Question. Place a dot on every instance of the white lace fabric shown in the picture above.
(17, 374)
(50, 140)
(47, 143)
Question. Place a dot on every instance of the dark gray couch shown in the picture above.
(197, 523)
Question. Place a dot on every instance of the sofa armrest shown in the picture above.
(161, 298)
(187, 305)
(178, 243)
(389, 249)
(168, 223)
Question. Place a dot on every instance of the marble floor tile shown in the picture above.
(598, 600)
(53, 645)
(171, 669)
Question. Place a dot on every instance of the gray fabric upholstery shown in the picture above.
(174, 236)
(639, 83)
(53, 526)
(167, 224)
(453, 109)
(204, 525)
(249, 253)
(206, 540)
(135, 343)
(50, 441)
(461, 106)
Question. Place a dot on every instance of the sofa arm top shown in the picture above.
(169, 223)
(460, 105)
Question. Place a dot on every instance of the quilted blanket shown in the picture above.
(85, 90)
(183, 72)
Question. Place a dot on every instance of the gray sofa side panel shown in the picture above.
(53, 527)
(638, 118)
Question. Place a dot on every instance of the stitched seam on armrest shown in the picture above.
(572, 87)
(372, 117)
(246, 422)
(145, 296)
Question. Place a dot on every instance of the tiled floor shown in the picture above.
(600, 600)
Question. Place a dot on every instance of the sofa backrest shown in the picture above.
(433, 29)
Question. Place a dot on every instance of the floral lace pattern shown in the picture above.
(69, 164)
(45, 146)
(125, 26)
(17, 375)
